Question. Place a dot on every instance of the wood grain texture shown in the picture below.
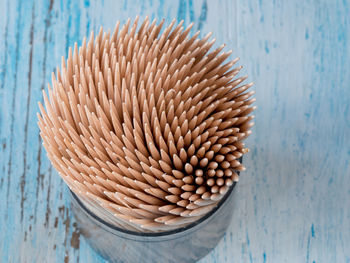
(293, 200)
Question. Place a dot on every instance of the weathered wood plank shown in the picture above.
(293, 201)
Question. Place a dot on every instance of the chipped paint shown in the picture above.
(292, 202)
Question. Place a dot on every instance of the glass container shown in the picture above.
(186, 244)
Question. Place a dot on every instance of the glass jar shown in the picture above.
(186, 244)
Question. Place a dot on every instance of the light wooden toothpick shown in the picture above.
(146, 126)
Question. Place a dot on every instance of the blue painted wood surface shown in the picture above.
(293, 202)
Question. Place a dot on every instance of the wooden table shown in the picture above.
(293, 202)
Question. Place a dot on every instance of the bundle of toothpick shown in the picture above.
(146, 125)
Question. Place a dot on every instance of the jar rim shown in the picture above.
(155, 234)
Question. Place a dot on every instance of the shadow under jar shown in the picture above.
(186, 244)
